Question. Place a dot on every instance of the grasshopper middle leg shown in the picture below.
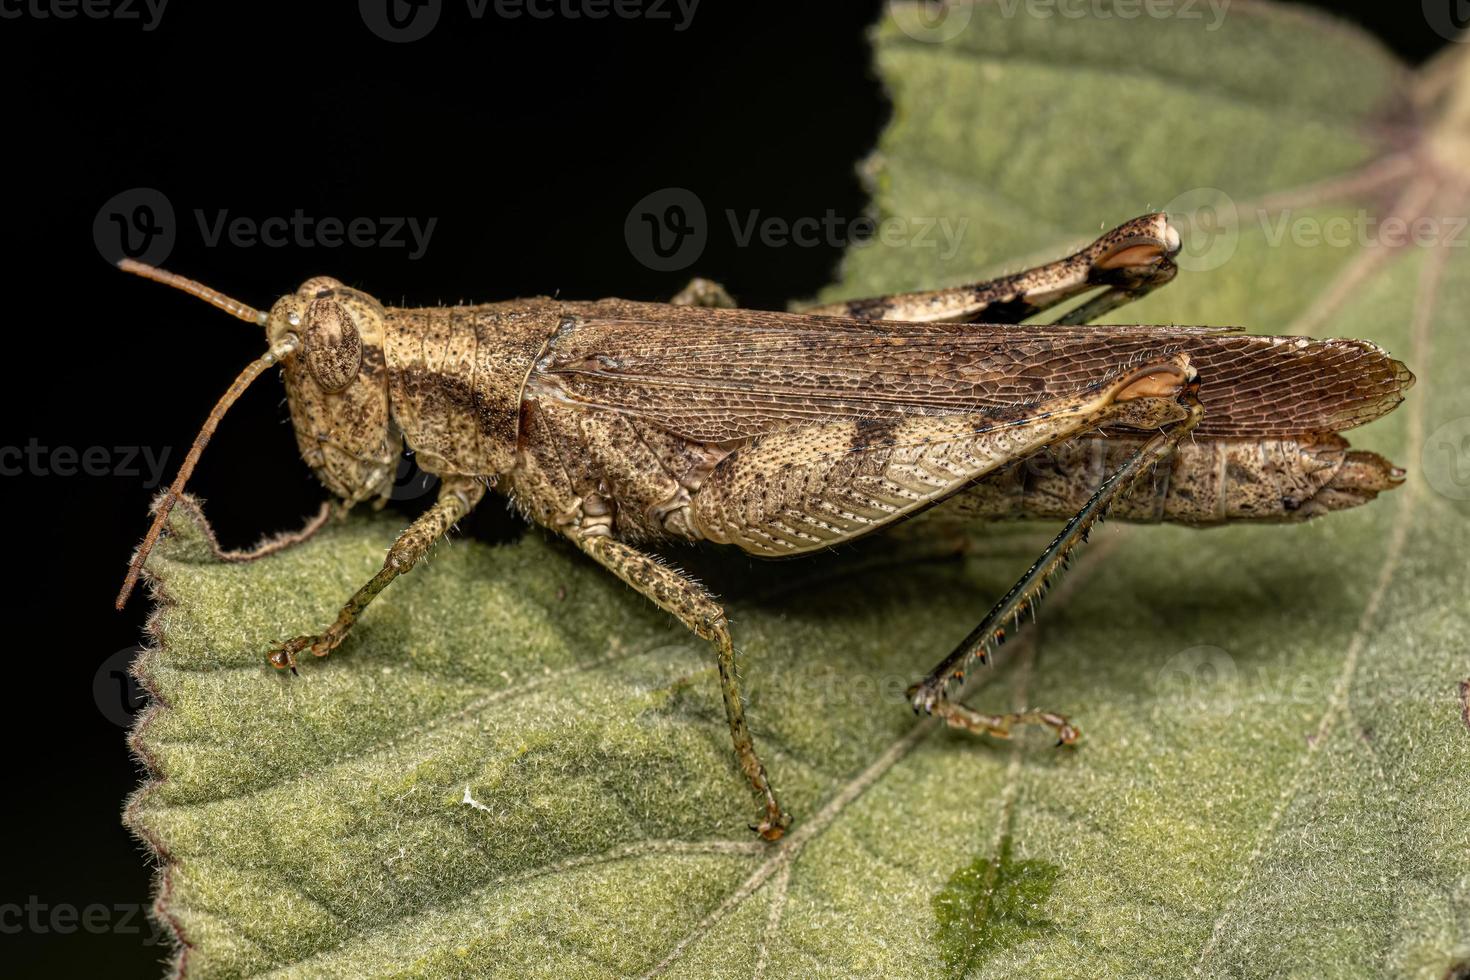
(675, 593)
(457, 497)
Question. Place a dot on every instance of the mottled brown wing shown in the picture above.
(720, 376)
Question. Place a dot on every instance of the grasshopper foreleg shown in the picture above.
(929, 695)
(457, 497)
(680, 596)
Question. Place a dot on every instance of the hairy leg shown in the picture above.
(457, 497)
(929, 695)
(677, 594)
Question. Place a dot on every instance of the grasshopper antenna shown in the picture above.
(231, 306)
(285, 346)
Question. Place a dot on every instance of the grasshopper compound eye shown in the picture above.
(333, 346)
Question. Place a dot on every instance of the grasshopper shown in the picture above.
(625, 425)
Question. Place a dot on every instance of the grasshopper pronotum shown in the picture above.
(621, 424)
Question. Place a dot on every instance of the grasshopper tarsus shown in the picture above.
(1002, 726)
(785, 434)
(283, 657)
(774, 827)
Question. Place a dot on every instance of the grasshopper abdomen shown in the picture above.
(1207, 483)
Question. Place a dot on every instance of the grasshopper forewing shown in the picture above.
(624, 425)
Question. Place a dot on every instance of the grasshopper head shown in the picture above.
(329, 341)
(337, 386)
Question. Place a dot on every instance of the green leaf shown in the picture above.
(516, 766)
(995, 902)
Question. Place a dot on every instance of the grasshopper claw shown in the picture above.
(1067, 733)
(283, 657)
(773, 828)
(925, 696)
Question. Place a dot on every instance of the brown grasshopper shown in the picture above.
(621, 425)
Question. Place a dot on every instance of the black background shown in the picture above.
(528, 139)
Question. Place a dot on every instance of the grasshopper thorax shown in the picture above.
(337, 386)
